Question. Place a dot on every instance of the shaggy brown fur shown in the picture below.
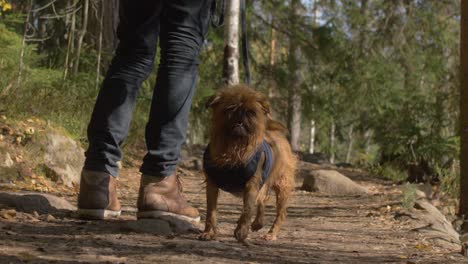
(240, 121)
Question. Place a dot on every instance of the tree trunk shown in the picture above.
(23, 45)
(231, 43)
(464, 115)
(71, 42)
(109, 26)
(271, 87)
(81, 34)
(350, 143)
(332, 142)
(99, 47)
(367, 141)
(295, 99)
(312, 137)
(102, 33)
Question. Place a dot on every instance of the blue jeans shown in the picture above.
(180, 26)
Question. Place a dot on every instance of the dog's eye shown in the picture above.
(230, 108)
(250, 113)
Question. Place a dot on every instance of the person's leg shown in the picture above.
(138, 33)
(184, 24)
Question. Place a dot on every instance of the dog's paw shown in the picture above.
(256, 226)
(241, 233)
(206, 236)
(270, 237)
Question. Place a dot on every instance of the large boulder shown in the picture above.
(59, 157)
(331, 182)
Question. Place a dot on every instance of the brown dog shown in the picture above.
(240, 126)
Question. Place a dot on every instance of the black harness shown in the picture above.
(234, 179)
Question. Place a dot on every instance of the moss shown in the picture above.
(44, 170)
(9, 174)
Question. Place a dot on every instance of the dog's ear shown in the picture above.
(263, 101)
(212, 100)
(275, 125)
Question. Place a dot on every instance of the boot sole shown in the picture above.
(166, 215)
(97, 214)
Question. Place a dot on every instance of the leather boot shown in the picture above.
(98, 196)
(161, 196)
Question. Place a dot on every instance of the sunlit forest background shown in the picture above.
(368, 83)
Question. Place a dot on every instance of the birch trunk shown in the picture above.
(271, 87)
(102, 27)
(312, 137)
(367, 139)
(98, 66)
(231, 43)
(23, 45)
(71, 42)
(350, 143)
(332, 142)
(81, 34)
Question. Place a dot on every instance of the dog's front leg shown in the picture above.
(212, 193)
(243, 225)
(250, 199)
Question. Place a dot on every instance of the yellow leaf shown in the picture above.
(421, 246)
(6, 7)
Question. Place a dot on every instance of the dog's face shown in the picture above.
(239, 113)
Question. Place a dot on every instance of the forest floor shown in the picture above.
(318, 229)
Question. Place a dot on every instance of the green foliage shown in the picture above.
(389, 172)
(450, 181)
(10, 48)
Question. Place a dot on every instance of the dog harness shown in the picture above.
(234, 179)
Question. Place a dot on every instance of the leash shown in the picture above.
(217, 20)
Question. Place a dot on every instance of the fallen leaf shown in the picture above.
(8, 214)
(421, 246)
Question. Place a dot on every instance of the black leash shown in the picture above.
(217, 20)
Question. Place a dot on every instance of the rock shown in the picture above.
(62, 158)
(435, 225)
(331, 182)
(162, 226)
(65, 157)
(8, 214)
(40, 202)
(151, 226)
(6, 161)
(50, 218)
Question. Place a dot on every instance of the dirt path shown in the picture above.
(319, 229)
